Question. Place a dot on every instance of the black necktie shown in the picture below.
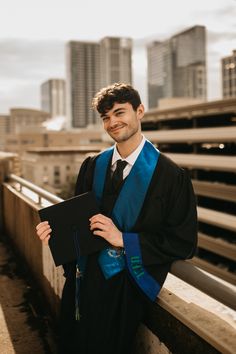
(117, 176)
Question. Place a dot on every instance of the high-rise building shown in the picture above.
(159, 67)
(53, 97)
(229, 75)
(90, 66)
(116, 60)
(177, 66)
(83, 81)
(4, 129)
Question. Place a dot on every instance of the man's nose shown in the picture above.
(113, 121)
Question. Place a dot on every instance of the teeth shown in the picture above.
(117, 128)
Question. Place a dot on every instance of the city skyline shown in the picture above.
(31, 53)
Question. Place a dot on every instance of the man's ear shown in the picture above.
(140, 111)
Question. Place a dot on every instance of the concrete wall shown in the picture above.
(20, 218)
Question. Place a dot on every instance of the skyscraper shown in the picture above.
(53, 97)
(177, 66)
(83, 81)
(159, 72)
(116, 65)
(228, 65)
(90, 66)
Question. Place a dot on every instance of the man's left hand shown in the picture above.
(103, 226)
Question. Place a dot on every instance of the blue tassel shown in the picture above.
(80, 266)
(77, 292)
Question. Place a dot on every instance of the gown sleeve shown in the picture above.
(176, 236)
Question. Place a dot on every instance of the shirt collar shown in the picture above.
(132, 157)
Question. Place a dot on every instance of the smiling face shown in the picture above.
(122, 122)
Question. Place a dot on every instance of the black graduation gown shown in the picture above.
(112, 309)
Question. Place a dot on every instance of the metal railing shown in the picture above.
(41, 193)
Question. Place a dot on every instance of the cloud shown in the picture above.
(29, 59)
(224, 11)
(22, 95)
(214, 37)
(24, 65)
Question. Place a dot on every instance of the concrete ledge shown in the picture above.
(20, 219)
(187, 328)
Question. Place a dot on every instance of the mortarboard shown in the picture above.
(71, 236)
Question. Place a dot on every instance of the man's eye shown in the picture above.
(105, 119)
(119, 113)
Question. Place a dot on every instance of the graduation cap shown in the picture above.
(71, 236)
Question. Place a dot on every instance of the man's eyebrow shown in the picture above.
(104, 115)
(119, 109)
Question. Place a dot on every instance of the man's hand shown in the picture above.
(103, 226)
(43, 231)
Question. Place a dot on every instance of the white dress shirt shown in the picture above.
(130, 159)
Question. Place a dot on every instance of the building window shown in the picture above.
(56, 171)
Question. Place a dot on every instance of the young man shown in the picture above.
(148, 216)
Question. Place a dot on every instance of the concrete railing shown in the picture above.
(20, 217)
(21, 202)
(182, 269)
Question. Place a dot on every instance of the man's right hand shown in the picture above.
(43, 231)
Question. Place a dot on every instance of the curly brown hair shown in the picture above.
(105, 99)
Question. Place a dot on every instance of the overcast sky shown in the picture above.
(33, 36)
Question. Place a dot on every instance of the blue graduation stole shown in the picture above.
(126, 211)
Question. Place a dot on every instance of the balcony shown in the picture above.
(192, 304)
